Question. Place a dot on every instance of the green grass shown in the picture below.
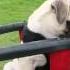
(14, 11)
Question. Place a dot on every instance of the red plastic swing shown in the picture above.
(59, 60)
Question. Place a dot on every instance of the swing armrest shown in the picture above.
(33, 48)
(12, 27)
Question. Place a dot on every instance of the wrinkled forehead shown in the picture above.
(67, 2)
(61, 5)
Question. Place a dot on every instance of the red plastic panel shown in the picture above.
(60, 60)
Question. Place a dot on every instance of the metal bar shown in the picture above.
(11, 27)
(32, 48)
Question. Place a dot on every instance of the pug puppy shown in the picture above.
(50, 21)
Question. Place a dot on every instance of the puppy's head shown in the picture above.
(61, 9)
(51, 19)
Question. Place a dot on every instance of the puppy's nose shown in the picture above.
(68, 25)
(66, 33)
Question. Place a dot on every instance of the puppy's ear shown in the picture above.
(61, 11)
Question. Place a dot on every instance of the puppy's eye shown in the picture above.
(53, 7)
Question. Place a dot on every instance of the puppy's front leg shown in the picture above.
(26, 63)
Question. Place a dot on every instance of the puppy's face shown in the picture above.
(51, 18)
(55, 22)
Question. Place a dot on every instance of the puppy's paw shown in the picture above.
(39, 60)
(8, 66)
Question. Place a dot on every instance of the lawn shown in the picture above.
(14, 11)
